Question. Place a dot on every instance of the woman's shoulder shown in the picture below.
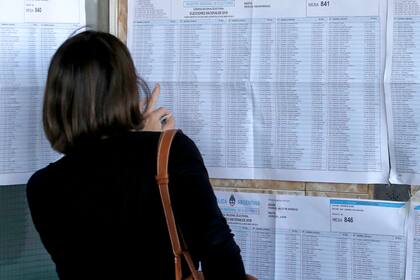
(181, 142)
(38, 177)
(39, 181)
(184, 149)
(47, 176)
(135, 143)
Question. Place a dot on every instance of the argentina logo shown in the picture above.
(232, 200)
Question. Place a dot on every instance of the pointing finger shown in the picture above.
(153, 99)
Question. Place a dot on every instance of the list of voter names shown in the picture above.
(413, 248)
(295, 254)
(295, 98)
(298, 249)
(27, 43)
(402, 90)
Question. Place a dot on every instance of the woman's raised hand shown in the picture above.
(156, 119)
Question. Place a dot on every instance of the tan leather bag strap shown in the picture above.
(162, 179)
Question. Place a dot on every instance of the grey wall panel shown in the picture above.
(22, 255)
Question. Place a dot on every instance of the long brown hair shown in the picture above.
(91, 91)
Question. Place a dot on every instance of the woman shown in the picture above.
(98, 209)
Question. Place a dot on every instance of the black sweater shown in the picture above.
(99, 214)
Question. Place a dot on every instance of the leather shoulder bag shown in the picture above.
(179, 249)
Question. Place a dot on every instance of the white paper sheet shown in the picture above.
(30, 32)
(413, 243)
(296, 237)
(288, 90)
(402, 90)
